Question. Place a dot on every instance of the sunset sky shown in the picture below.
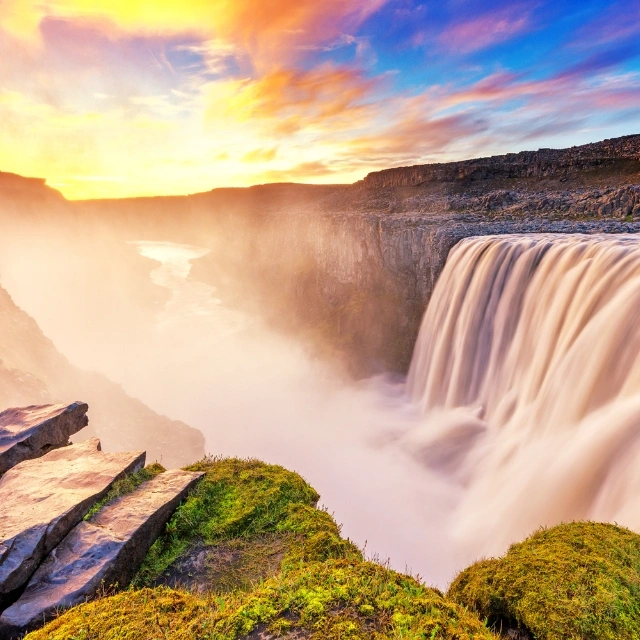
(115, 98)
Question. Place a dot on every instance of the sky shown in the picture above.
(117, 98)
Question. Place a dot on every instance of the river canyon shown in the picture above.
(449, 381)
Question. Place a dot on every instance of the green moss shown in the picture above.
(348, 599)
(304, 535)
(333, 600)
(575, 581)
(235, 499)
(140, 615)
(274, 563)
(318, 537)
(126, 485)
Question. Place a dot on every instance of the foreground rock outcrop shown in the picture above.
(33, 431)
(100, 553)
(41, 500)
(74, 521)
(577, 580)
(286, 572)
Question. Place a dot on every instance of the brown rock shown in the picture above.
(42, 500)
(103, 552)
(33, 431)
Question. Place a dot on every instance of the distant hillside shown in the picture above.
(14, 186)
(32, 371)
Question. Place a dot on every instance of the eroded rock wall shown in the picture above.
(527, 164)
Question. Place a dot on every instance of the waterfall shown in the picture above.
(527, 374)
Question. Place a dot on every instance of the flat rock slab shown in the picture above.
(103, 552)
(31, 432)
(42, 500)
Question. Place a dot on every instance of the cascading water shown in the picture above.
(527, 372)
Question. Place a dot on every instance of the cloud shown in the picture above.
(619, 23)
(487, 30)
(299, 172)
(260, 155)
(269, 31)
(413, 138)
(288, 100)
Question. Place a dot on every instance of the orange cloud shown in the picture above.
(260, 155)
(288, 100)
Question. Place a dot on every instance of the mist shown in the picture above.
(251, 390)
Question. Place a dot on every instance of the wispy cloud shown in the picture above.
(486, 30)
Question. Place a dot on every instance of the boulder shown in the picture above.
(33, 431)
(42, 500)
(103, 552)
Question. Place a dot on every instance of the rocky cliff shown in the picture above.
(527, 164)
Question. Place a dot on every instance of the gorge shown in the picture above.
(448, 354)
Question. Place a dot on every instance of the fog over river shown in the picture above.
(255, 393)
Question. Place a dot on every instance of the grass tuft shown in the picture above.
(125, 485)
(235, 499)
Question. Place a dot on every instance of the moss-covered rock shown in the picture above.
(333, 600)
(274, 566)
(305, 534)
(575, 581)
(235, 499)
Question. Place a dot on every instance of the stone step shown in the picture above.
(103, 552)
(31, 432)
(42, 500)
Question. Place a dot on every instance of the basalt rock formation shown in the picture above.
(41, 500)
(104, 551)
(50, 558)
(527, 164)
(34, 431)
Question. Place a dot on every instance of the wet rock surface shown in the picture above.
(33, 431)
(101, 553)
(42, 500)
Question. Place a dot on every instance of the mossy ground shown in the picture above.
(238, 499)
(332, 600)
(285, 572)
(574, 581)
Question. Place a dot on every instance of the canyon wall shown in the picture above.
(373, 275)
(352, 267)
(527, 164)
